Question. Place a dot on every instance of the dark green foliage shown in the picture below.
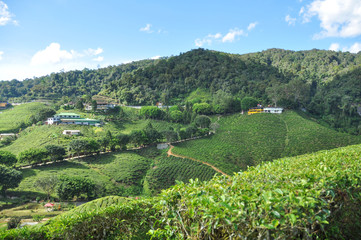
(151, 134)
(14, 222)
(7, 158)
(138, 137)
(202, 121)
(78, 146)
(42, 114)
(79, 104)
(94, 105)
(33, 156)
(73, 186)
(47, 184)
(248, 102)
(170, 135)
(9, 178)
(122, 140)
(55, 152)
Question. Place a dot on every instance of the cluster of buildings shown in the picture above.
(72, 118)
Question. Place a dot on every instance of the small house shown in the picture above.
(3, 105)
(71, 132)
(278, 110)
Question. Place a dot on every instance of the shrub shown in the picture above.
(14, 222)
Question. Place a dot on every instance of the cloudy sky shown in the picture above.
(38, 37)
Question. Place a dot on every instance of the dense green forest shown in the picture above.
(326, 83)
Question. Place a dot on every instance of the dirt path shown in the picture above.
(193, 159)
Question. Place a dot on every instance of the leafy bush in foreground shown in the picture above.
(310, 196)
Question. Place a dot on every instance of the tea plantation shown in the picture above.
(243, 140)
(314, 196)
(11, 120)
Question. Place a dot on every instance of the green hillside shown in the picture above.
(11, 120)
(326, 83)
(310, 196)
(244, 140)
(115, 173)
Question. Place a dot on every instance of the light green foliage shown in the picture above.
(290, 198)
(202, 108)
(243, 140)
(306, 136)
(125, 168)
(11, 120)
(176, 116)
(152, 112)
(199, 95)
(168, 170)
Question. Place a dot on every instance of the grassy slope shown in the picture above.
(40, 136)
(109, 172)
(243, 140)
(11, 119)
(318, 194)
(240, 141)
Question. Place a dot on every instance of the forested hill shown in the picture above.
(326, 83)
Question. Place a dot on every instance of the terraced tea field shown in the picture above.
(12, 119)
(244, 140)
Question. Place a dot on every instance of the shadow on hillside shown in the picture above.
(100, 159)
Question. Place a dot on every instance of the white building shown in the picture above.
(57, 118)
(278, 110)
(71, 132)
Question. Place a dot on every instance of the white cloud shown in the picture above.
(334, 47)
(1, 55)
(290, 20)
(233, 34)
(251, 26)
(5, 16)
(98, 59)
(208, 39)
(339, 18)
(355, 48)
(147, 28)
(94, 52)
(155, 57)
(302, 10)
(52, 54)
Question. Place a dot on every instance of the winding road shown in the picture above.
(193, 159)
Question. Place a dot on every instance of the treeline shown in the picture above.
(71, 84)
(302, 79)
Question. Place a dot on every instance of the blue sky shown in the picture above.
(39, 37)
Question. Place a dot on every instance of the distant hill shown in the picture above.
(326, 83)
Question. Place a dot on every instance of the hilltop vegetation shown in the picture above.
(326, 83)
(314, 195)
(243, 140)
